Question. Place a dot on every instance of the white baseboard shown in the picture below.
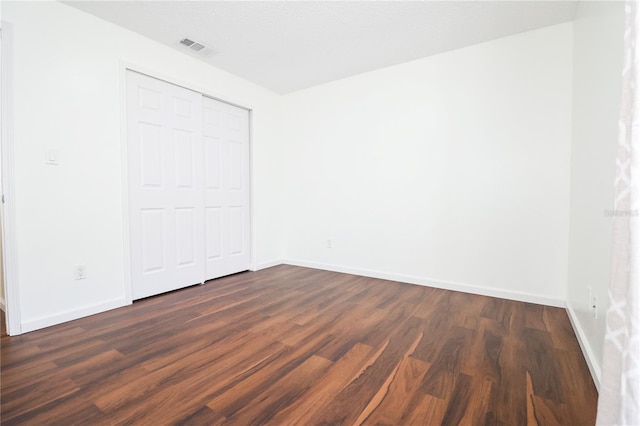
(446, 285)
(265, 265)
(38, 323)
(3, 306)
(587, 352)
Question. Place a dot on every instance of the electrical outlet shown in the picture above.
(329, 243)
(80, 272)
(594, 306)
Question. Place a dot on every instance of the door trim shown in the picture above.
(9, 237)
(125, 66)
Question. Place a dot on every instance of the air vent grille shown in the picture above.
(197, 47)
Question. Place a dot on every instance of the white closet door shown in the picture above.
(166, 203)
(226, 159)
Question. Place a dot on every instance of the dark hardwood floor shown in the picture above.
(297, 346)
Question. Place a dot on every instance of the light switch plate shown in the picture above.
(51, 157)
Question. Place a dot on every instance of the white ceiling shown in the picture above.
(291, 45)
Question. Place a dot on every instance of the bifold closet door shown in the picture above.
(227, 195)
(166, 185)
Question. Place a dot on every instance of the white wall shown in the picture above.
(598, 46)
(452, 169)
(67, 77)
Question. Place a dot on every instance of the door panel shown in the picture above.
(150, 155)
(236, 219)
(226, 136)
(213, 225)
(166, 185)
(235, 165)
(185, 233)
(152, 234)
(183, 150)
(212, 165)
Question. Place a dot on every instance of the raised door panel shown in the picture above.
(212, 165)
(236, 230)
(185, 237)
(151, 155)
(184, 158)
(213, 225)
(152, 240)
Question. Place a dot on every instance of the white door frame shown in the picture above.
(129, 66)
(9, 239)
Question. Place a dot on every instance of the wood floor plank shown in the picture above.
(298, 346)
(392, 408)
(440, 379)
(71, 406)
(186, 394)
(559, 326)
(534, 317)
(16, 354)
(233, 397)
(309, 406)
(52, 414)
(436, 329)
(385, 391)
(352, 328)
(480, 391)
(35, 395)
(282, 393)
(197, 369)
(541, 366)
(28, 373)
(459, 401)
(424, 410)
(508, 402)
(204, 416)
(349, 403)
(577, 386)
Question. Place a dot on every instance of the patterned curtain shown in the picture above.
(619, 402)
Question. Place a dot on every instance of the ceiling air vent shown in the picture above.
(197, 47)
